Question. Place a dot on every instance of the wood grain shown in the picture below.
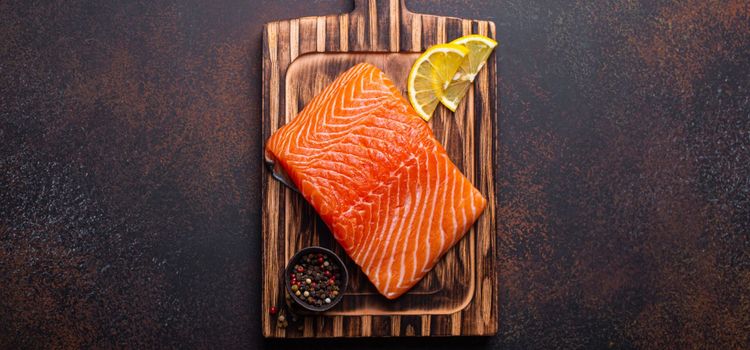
(300, 57)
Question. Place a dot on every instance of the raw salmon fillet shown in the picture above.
(376, 175)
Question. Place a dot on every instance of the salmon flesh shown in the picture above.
(376, 175)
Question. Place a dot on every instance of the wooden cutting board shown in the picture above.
(300, 57)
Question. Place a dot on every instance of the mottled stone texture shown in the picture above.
(130, 151)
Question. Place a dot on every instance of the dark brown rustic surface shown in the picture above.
(129, 195)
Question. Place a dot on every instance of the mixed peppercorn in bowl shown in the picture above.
(316, 278)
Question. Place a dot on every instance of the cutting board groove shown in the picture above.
(436, 307)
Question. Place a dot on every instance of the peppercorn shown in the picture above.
(315, 280)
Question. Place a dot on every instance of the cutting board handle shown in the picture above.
(381, 6)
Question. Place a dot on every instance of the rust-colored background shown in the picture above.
(130, 153)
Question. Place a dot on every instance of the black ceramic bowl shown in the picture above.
(334, 259)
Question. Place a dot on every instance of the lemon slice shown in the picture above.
(431, 74)
(480, 47)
